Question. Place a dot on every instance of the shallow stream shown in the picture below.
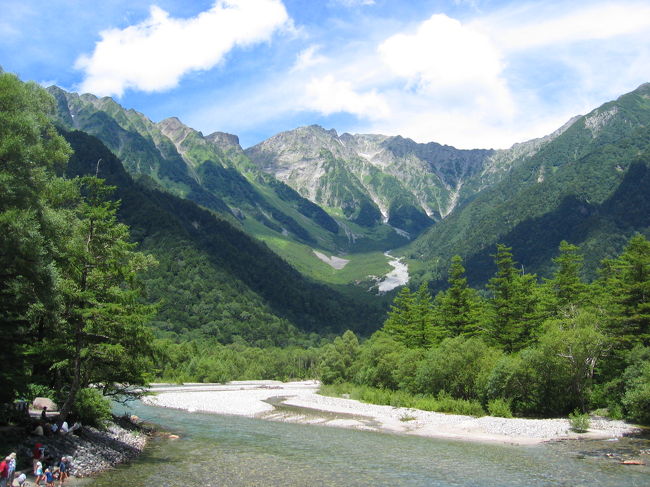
(216, 450)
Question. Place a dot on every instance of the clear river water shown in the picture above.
(215, 450)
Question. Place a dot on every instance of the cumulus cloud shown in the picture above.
(329, 95)
(444, 58)
(154, 54)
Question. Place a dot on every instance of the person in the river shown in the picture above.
(44, 413)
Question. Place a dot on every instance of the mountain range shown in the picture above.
(311, 193)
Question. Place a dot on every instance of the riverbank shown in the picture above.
(299, 402)
(92, 450)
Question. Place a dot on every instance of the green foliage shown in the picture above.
(410, 318)
(457, 307)
(579, 421)
(443, 403)
(628, 283)
(91, 408)
(499, 408)
(338, 359)
(636, 380)
(459, 366)
(513, 303)
(30, 153)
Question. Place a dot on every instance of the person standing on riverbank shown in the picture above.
(63, 470)
(4, 473)
(11, 463)
(38, 472)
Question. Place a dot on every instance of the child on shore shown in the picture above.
(63, 470)
(38, 472)
(49, 478)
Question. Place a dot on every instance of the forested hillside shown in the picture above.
(214, 280)
(589, 186)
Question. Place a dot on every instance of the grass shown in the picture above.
(443, 403)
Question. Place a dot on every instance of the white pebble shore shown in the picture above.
(247, 398)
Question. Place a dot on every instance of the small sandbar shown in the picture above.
(299, 402)
(337, 263)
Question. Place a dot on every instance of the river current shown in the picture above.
(215, 450)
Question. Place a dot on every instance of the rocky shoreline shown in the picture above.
(92, 450)
(299, 402)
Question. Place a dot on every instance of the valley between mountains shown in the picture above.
(331, 204)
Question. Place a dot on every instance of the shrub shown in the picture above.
(92, 408)
(499, 408)
(579, 421)
(637, 402)
(448, 404)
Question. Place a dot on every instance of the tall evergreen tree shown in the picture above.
(103, 335)
(456, 306)
(628, 285)
(513, 303)
(410, 318)
(30, 151)
(566, 288)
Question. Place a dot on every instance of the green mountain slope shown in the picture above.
(587, 185)
(213, 279)
(214, 172)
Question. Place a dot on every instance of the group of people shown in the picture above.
(8, 470)
(48, 471)
(47, 429)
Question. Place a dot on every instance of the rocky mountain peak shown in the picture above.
(224, 141)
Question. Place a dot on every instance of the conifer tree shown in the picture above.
(410, 318)
(103, 335)
(628, 285)
(399, 317)
(513, 303)
(566, 288)
(455, 307)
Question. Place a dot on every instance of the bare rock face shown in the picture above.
(43, 402)
(225, 142)
(411, 184)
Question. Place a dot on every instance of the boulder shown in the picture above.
(41, 402)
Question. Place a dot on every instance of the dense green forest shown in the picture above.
(112, 282)
(519, 346)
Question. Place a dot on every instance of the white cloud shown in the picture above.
(308, 58)
(329, 95)
(595, 22)
(487, 81)
(154, 54)
(444, 58)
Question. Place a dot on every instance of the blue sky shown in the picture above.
(468, 73)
